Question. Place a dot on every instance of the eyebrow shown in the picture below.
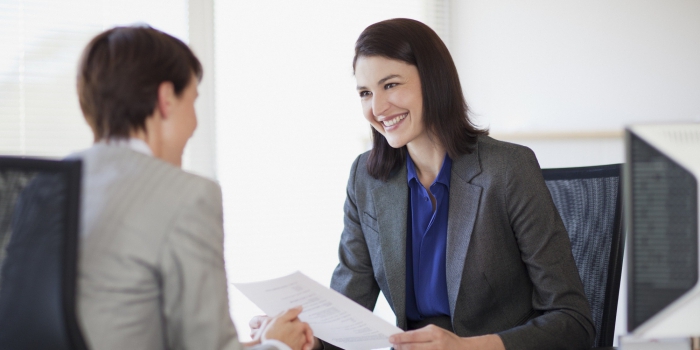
(381, 81)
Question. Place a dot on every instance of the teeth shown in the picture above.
(395, 120)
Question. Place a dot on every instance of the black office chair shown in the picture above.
(589, 202)
(39, 216)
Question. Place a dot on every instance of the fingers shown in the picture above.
(430, 337)
(309, 335)
(419, 346)
(306, 335)
(289, 329)
(317, 344)
(257, 324)
(290, 314)
(257, 321)
(425, 334)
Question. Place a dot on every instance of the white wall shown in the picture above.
(200, 153)
(582, 68)
(565, 77)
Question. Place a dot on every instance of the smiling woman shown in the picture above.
(393, 101)
(458, 230)
(385, 61)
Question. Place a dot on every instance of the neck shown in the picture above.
(427, 156)
(152, 134)
(151, 141)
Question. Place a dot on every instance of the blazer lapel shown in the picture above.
(391, 205)
(463, 207)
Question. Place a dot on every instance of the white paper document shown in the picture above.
(332, 316)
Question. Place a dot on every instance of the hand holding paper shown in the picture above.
(289, 329)
(332, 316)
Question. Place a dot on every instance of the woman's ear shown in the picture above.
(166, 98)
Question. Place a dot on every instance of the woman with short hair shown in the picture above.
(151, 263)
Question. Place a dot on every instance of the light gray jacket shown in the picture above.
(510, 269)
(151, 268)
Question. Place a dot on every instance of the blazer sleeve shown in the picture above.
(354, 275)
(565, 321)
(193, 278)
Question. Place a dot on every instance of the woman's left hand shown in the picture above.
(429, 337)
(434, 337)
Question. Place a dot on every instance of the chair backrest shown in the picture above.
(589, 202)
(39, 219)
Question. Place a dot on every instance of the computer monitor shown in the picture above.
(661, 214)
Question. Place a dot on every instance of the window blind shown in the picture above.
(41, 43)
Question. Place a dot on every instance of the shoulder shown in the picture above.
(360, 177)
(510, 169)
(493, 163)
(504, 157)
(489, 147)
(141, 187)
(360, 163)
(125, 164)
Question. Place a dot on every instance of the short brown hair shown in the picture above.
(119, 74)
(445, 112)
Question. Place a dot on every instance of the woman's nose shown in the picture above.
(379, 104)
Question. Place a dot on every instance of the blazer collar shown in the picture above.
(391, 203)
(467, 166)
(463, 209)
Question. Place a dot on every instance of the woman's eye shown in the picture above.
(364, 93)
(390, 85)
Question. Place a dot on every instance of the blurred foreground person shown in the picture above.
(151, 267)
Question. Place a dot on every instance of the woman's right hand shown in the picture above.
(285, 327)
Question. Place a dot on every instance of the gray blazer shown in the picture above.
(510, 270)
(151, 267)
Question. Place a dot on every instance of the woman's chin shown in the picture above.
(395, 143)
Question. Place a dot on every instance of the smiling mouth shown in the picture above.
(392, 122)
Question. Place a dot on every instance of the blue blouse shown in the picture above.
(426, 242)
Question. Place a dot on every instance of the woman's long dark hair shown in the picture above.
(445, 113)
